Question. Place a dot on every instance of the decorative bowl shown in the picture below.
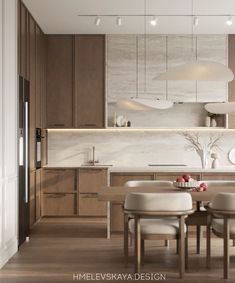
(186, 185)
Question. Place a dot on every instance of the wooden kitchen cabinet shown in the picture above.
(89, 81)
(58, 204)
(32, 197)
(90, 181)
(59, 181)
(59, 81)
(38, 195)
(218, 176)
(59, 192)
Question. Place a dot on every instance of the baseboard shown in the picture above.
(8, 252)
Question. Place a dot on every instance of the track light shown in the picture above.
(97, 21)
(154, 21)
(229, 21)
(195, 21)
(119, 21)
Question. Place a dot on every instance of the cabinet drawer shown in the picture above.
(59, 181)
(89, 205)
(92, 180)
(58, 204)
(217, 176)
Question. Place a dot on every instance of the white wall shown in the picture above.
(8, 131)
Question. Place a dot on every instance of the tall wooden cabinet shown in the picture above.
(89, 81)
(59, 66)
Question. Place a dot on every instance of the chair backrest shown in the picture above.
(148, 183)
(158, 201)
(223, 201)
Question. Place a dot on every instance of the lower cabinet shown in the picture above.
(58, 204)
(89, 205)
(71, 192)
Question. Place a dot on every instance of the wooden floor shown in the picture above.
(60, 248)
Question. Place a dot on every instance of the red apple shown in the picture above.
(186, 177)
(180, 179)
(191, 180)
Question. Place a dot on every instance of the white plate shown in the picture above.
(231, 155)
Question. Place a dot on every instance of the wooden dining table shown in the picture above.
(117, 194)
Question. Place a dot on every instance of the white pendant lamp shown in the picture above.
(198, 71)
(220, 107)
(137, 103)
(143, 104)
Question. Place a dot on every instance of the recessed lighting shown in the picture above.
(119, 21)
(229, 21)
(154, 21)
(97, 21)
(195, 21)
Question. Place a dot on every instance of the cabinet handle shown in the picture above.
(89, 195)
(59, 195)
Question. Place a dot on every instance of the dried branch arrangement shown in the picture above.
(194, 143)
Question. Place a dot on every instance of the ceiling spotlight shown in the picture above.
(195, 21)
(97, 21)
(229, 21)
(119, 21)
(154, 21)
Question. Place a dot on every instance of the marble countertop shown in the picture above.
(113, 169)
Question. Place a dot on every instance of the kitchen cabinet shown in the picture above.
(89, 79)
(116, 209)
(58, 204)
(218, 176)
(32, 98)
(59, 181)
(38, 195)
(90, 181)
(59, 81)
(59, 192)
(32, 196)
(231, 85)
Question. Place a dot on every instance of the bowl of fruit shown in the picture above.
(186, 182)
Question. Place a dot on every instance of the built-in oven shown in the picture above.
(38, 148)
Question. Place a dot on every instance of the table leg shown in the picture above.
(108, 220)
(198, 231)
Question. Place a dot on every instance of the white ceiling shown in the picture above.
(61, 16)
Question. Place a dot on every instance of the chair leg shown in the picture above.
(226, 247)
(131, 240)
(208, 245)
(233, 243)
(182, 247)
(126, 239)
(142, 251)
(137, 244)
(198, 245)
(167, 243)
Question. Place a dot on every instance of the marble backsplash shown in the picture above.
(130, 147)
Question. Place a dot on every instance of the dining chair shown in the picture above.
(150, 183)
(221, 218)
(156, 216)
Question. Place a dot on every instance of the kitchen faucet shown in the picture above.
(93, 161)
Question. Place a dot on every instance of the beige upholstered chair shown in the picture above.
(156, 216)
(221, 217)
(150, 183)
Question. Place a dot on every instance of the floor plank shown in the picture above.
(61, 248)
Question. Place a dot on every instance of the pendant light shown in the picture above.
(198, 70)
(137, 103)
(221, 107)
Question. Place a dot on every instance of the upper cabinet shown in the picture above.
(59, 82)
(89, 79)
(75, 81)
